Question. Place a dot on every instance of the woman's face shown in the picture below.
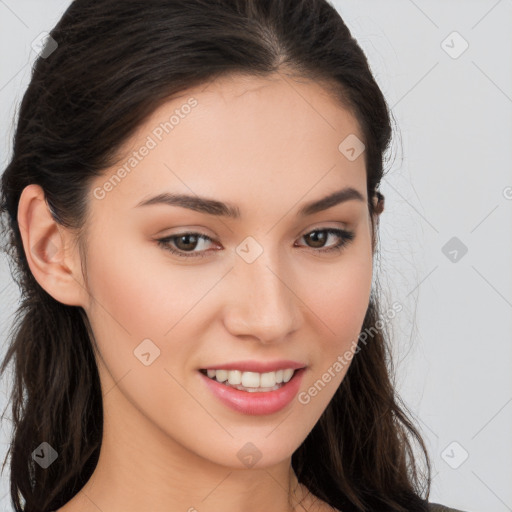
(261, 288)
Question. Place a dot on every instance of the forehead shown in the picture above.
(271, 136)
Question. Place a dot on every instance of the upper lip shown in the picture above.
(257, 366)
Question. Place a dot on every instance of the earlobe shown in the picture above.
(378, 203)
(47, 247)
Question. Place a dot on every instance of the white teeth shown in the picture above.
(235, 377)
(287, 375)
(221, 375)
(268, 380)
(252, 379)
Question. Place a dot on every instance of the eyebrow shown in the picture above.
(218, 208)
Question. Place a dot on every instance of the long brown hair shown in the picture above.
(116, 62)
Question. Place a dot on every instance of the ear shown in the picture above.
(51, 255)
(378, 208)
(378, 203)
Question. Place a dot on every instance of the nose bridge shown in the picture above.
(263, 304)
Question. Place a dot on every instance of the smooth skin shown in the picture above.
(267, 146)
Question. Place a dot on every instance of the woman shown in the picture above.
(192, 207)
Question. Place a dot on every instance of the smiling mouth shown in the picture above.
(252, 382)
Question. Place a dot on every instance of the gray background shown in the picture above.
(449, 182)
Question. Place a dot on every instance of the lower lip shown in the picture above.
(264, 402)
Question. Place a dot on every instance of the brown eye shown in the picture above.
(317, 239)
(185, 243)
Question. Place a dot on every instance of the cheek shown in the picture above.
(140, 295)
(137, 289)
(340, 307)
(340, 299)
(143, 307)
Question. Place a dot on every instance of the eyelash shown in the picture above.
(345, 238)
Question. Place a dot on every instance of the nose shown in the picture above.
(262, 301)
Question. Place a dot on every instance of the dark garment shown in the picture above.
(436, 507)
